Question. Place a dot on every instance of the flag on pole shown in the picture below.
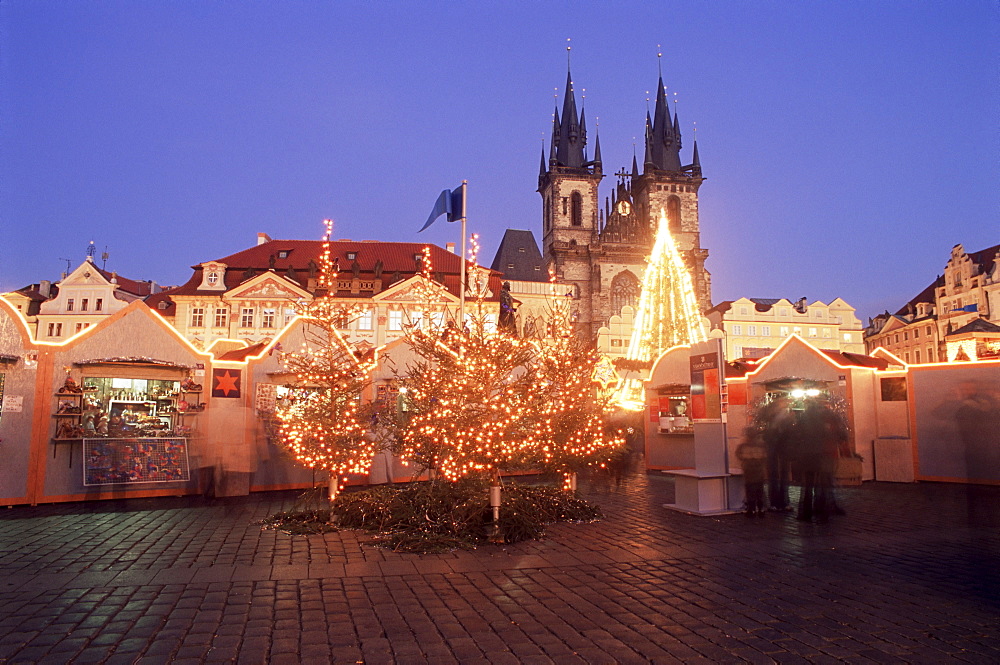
(450, 202)
(967, 308)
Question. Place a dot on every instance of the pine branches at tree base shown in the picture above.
(441, 516)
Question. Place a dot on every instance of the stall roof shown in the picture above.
(144, 362)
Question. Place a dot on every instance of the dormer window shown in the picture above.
(212, 278)
(351, 256)
(283, 254)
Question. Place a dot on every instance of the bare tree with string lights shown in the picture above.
(324, 425)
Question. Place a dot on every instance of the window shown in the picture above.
(576, 217)
(83, 305)
(906, 357)
(417, 320)
(929, 333)
(766, 331)
(246, 317)
(797, 330)
(737, 351)
(221, 317)
(819, 313)
(365, 320)
(267, 317)
(906, 335)
(81, 326)
(69, 305)
(625, 290)
(813, 332)
(99, 305)
(674, 213)
(744, 310)
(848, 338)
(916, 333)
(395, 320)
(55, 330)
(893, 389)
(289, 314)
(197, 317)
(213, 278)
(283, 254)
(437, 320)
(520, 250)
(737, 329)
(916, 356)
(752, 330)
(341, 320)
(783, 311)
(930, 354)
(351, 256)
(784, 331)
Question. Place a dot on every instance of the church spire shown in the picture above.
(662, 144)
(568, 145)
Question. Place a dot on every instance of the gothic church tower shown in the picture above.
(602, 253)
(568, 185)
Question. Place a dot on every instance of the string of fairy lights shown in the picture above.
(476, 400)
(667, 315)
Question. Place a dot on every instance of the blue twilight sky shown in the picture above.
(847, 145)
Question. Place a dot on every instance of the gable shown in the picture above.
(416, 290)
(267, 287)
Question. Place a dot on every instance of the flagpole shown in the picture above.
(461, 295)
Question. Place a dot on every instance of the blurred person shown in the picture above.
(819, 436)
(752, 455)
(774, 423)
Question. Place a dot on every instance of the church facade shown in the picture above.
(600, 251)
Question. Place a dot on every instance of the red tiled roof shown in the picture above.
(127, 285)
(856, 359)
(395, 256)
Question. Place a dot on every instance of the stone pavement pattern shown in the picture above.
(910, 575)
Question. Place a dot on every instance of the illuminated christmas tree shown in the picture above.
(324, 425)
(667, 315)
(466, 397)
(571, 411)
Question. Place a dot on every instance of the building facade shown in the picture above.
(955, 317)
(250, 296)
(755, 327)
(82, 298)
(598, 251)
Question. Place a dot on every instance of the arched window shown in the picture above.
(624, 291)
(674, 213)
(576, 209)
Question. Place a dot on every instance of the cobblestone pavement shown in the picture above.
(909, 575)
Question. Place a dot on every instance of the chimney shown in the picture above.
(154, 287)
(450, 247)
(45, 288)
(262, 238)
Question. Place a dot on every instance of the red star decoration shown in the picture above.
(226, 382)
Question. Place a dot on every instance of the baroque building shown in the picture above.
(956, 317)
(249, 297)
(755, 327)
(599, 251)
